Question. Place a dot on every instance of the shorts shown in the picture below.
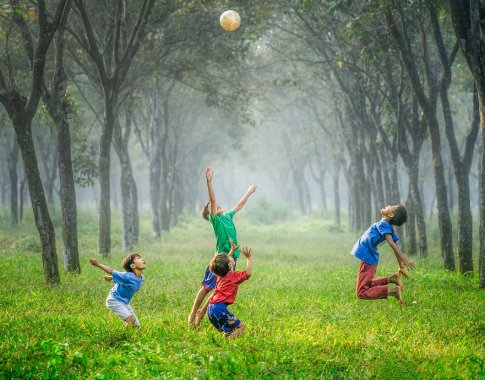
(121, 309)
(221, 318)
(210, 279)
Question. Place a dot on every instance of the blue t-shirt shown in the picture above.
(224, 229)
(366, 247)
(126, 285)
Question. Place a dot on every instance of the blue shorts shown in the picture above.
(221, 318)
(210, 279)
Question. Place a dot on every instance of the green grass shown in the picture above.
(303, 320)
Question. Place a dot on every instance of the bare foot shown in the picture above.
(395, 279)
(191, 321)
(236, 332)
(198, 317)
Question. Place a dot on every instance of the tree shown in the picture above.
(21, 110)
(112, 58)
(467, 18)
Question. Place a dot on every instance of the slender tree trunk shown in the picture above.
(14, 195)
(39, 204)
(104, 216)
(22, 197)
(126, 180)
(68, 200)
(155, 183)
(410, 226)
(336, 193)
(58, 109)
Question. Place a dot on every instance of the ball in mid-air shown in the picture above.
(230, 21)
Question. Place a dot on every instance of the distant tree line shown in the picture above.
(380, 88)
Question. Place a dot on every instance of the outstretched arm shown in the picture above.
(212, 198)
(96, 263)
(249, 266)
(403, 263)
(239, 205)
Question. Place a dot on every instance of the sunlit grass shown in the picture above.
(303, 320)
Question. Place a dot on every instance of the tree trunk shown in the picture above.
(22, 197)
(410, 226)
(58, 108)
(13, 176)
(68, 199)
(429, 111)
(104, 218)
(336, 192)
(39, 204)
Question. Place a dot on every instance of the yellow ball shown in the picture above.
(230, 21)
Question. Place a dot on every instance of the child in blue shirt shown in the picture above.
(126, 285)
(365, 249)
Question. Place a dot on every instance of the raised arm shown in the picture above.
(96, 263)
(212, 198)
(239, 205)
(249, 266)
(403, 263)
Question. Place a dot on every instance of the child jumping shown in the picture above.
(228, 280)
(224, 230)
(365, 249)
(126, 285)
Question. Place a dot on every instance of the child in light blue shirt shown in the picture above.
(126, 285)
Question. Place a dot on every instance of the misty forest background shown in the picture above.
(110, 111)
(332, 108)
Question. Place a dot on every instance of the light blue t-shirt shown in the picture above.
(126, 285)
(366, 247)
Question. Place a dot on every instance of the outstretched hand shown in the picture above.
(406, 264)
(209, 173)
(252, 189)
(94, 262)
(246, 252)
(234, 248)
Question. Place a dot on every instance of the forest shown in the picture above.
(111, 111)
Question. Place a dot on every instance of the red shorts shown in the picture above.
(368, 287)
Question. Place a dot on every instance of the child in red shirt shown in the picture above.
(225, 291)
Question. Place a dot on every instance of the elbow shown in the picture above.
(248, 274)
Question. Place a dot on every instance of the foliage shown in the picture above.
(303, 320)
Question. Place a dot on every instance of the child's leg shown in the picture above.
(367, 286)
(199, 298)
(396, 292)
(395, 279)
(236, 332)
(124, 311)
(201, 312)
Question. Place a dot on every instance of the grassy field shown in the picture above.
(303, 320)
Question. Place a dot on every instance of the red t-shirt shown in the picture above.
(226, 287)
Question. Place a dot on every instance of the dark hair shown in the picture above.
(400, 216)
(219, 265)
(128, 260)
(205, 211)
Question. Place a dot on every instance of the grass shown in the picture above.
(303, 321)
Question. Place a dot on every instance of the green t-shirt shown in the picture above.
(224, 230)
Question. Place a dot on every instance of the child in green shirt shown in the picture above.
(225, 231)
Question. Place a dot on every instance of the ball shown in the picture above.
(230, 21)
